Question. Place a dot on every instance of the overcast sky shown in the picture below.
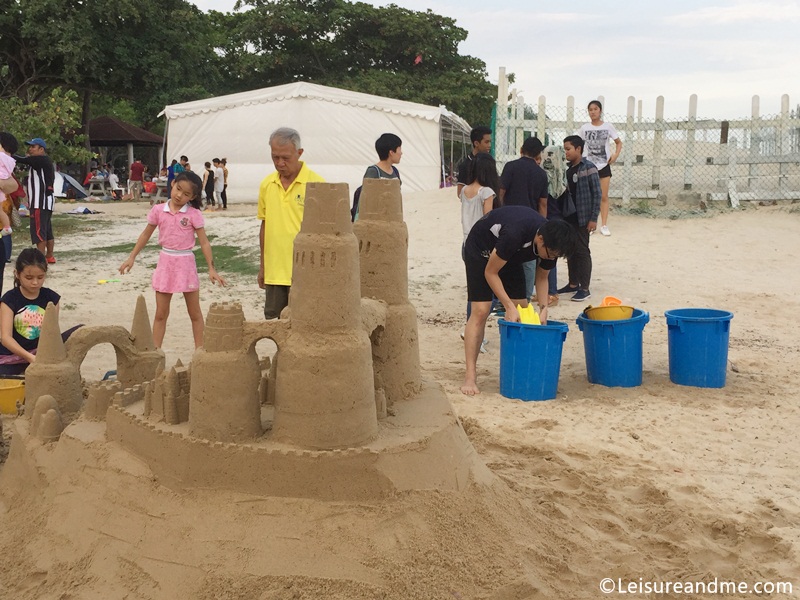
(725, 52)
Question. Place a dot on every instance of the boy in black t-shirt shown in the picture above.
(495, 250)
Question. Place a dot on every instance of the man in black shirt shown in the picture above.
(524, 183)
(495, 250)
(481, 138)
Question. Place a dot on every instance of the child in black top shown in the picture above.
(22, 313)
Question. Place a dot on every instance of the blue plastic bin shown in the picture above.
(530, 359)
(613, 349)
(698, 346)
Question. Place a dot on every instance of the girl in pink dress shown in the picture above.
(178, 222)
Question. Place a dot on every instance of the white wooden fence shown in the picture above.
(672, 161)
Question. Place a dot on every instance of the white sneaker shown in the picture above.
(605, 230)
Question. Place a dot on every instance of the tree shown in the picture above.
(152, 52)
(55, 118)
(389, 51)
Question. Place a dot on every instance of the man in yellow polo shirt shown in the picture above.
(281, 200)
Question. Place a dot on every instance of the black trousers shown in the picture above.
(580, 263)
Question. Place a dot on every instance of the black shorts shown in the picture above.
(275, 300)
(511, 275)
(604, 172)
(41, 227)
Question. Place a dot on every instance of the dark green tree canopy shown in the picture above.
(389, 51)
(150, 53)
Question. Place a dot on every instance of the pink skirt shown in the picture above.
(176, 273)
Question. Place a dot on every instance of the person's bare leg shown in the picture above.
(160, 320)
(41, 246)
(50, 245)
(604, 184)
(473, 336)
(196, 316)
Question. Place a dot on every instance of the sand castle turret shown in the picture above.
(46, 421)
(225, 375)
(148, 359)
(383, 241)
(315, 406)
(52, 372)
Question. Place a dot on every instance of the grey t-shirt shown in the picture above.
(375, 172)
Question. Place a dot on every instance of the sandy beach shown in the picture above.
(656, 483)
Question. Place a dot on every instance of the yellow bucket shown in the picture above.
(608, 313)
(11, 390)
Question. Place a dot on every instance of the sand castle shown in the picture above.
(341, 413)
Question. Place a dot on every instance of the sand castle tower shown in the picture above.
(223, 402)
(383, 241)
(315, 406)
(53, 372)
(147, 359)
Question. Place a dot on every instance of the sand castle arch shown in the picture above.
(56, 371)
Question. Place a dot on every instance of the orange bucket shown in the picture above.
(611, 301)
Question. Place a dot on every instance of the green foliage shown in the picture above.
(389, 51)
(150, 52)
(55, 118)
(141, 55)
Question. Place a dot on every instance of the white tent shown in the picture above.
(338, 129)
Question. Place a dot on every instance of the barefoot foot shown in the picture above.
(470, 388)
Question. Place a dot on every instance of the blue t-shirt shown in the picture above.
(28, 316)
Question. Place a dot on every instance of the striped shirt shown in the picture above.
(41, 177)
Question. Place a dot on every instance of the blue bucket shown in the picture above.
(698, 346)
(613, 349)
(530, 359)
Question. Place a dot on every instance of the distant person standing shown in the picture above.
(584, 187)
(208, 183)
(224, 194)
(390, 150)
(598, 137)
(135, 179)
(171, 174)
(281, 200)
(524, 183)
(41, 177)
(219, 182)
(481, 138)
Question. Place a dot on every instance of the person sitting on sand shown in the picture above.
(22, 312)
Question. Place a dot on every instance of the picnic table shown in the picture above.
(161, 191)
(99, 186)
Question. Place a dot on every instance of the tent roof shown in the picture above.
(108, 131)
(303, 89)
